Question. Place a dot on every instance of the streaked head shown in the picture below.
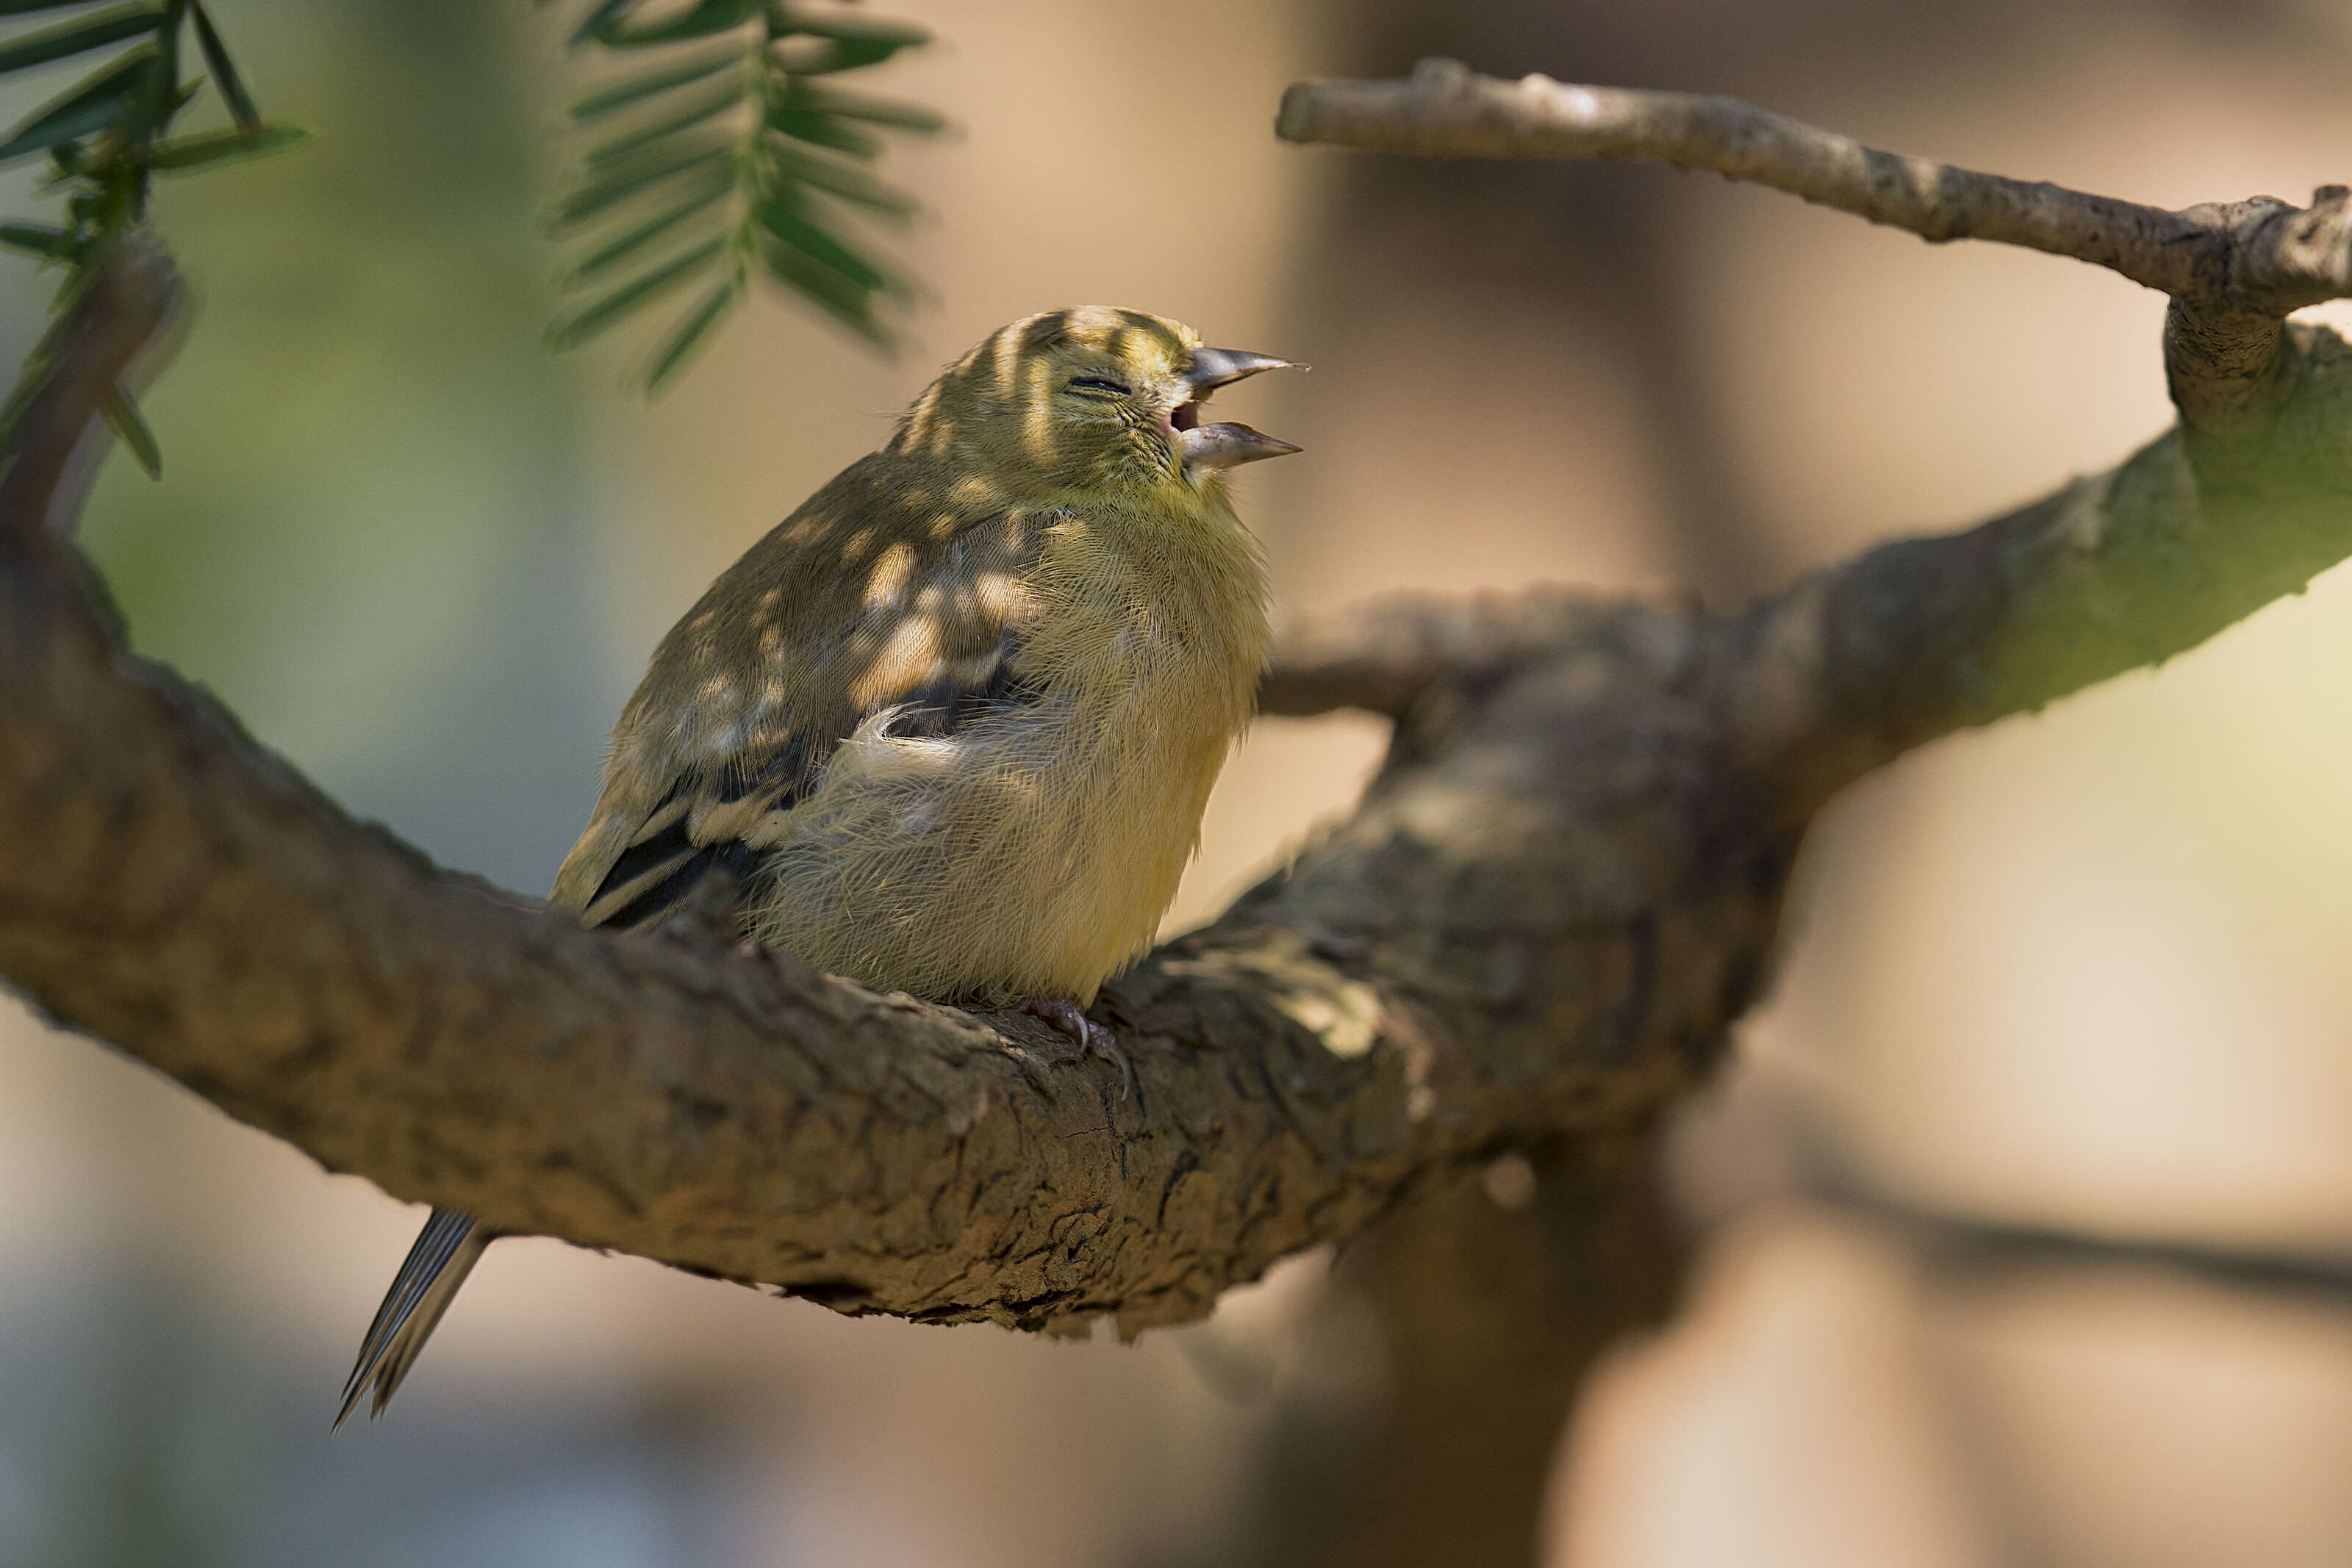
(1090, 397)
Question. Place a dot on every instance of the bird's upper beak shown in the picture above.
(1218, 446)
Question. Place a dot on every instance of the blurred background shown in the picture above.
(2021, 1231)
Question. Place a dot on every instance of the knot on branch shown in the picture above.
(2289, 256)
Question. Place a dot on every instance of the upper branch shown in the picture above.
(2237, 269)
(2261, 255)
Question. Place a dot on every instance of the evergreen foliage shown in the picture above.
(726, 151)
(108, 133)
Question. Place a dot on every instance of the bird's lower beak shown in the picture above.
(1212, 447)
(1216, 446)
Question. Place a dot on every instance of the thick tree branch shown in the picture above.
(1915, 638)
(170, 887)
(1562, 887)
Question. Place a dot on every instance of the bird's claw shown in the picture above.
(1066, 1015)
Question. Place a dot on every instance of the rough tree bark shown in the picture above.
(1561, 888)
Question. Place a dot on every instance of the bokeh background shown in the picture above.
(2078, 979)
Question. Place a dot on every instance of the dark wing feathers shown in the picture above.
(685, 840)
(900, 588)
(653, 878)
(695, 831)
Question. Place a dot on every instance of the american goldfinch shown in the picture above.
(949, 727)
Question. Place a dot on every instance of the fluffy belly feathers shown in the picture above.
(1031, 854)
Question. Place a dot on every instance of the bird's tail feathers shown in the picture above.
(446, 1252)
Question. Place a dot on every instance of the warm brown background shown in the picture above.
(2083, 970)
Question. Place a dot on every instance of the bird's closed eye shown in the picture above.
(1099, 384)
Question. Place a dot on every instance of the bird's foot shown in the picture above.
(1066, 1015)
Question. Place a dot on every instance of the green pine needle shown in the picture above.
(90, 105)
(43, 241)
(224, 77)
(122, 417)
(716, 187)
(94, 31)
(624, 92)
(699, 21)
(647, 168)
(583, 324)
(218, 147)
(693, 330)
(711, 106)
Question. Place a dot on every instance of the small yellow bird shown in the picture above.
(949, 727)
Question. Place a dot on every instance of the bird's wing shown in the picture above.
(892, 590)
(706, 825)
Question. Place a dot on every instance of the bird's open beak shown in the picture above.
(1217, 446)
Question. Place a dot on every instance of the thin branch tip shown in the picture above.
(111, 332)
(1445, 108)
(2235, 268)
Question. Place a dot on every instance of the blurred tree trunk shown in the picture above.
(1541, 264)
(1489, 1317)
